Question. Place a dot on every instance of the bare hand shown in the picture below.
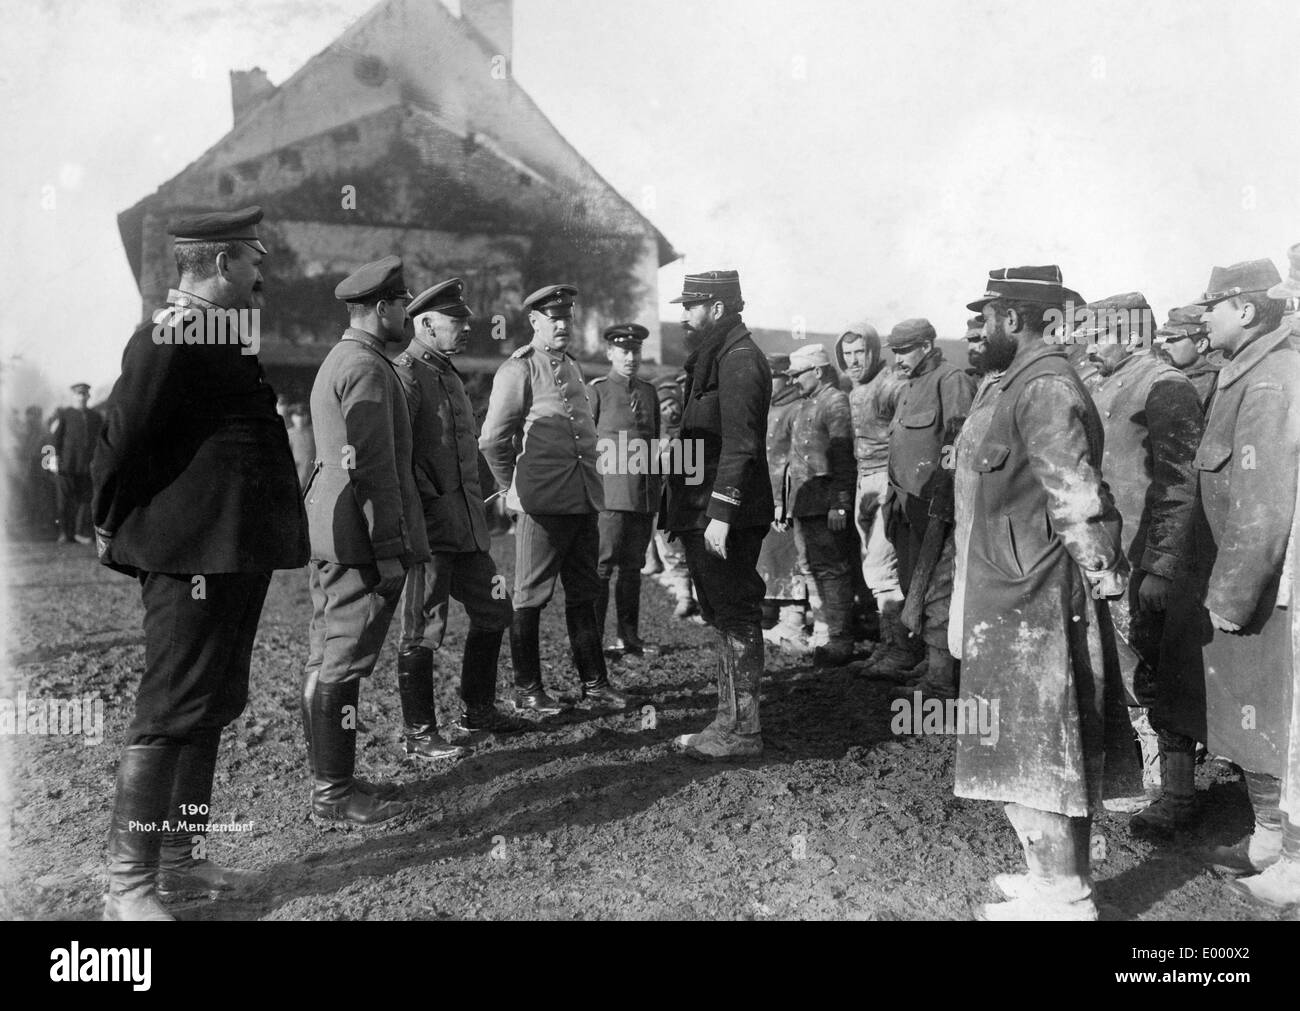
(1223, 624)
(715, 537)
(837, 520)
(392, 576)
(1153, 592)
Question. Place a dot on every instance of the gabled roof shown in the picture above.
(407, 56)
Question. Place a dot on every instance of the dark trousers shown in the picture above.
(624, 537)
(349, 620)
(730, 590)
(548, 547)
(471, 577)
(831, 559)
(911, 517)
(198, 643)
(73, 504)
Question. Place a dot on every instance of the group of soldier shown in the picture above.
(1096, 516)
(1002, 489)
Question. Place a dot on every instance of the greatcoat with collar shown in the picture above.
(362, 503)
(1034, 642)
(445, 438)
(1235, 690)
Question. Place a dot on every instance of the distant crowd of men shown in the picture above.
(1090, 528)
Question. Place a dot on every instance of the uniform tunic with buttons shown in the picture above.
(628, 486)
(539, 438)
(445, 451)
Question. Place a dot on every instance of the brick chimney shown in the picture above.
(248, 89)
(494, 19)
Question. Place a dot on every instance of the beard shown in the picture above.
(999, 350)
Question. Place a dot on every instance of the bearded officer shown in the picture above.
(722, 515)
(626, 411)
(195, 495)
(540, 442)
(447, 476)
(367, 529)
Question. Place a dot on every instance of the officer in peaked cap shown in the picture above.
(723, 514)
(626, 411)
(367, 528)
(447, 476)
(540, 405)
(196, 496)
(76, 431)
(220, 226)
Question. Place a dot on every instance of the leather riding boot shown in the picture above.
(478, 686)
(183, 866)
(736, 733)
(526, 655)
(588, 658)
(310, 678)
(419, 716)
(1058, 885)
(1261, 850)
(627, 607)
(1174, 808)
(145, 774)
(336, 797)
(1278, 886)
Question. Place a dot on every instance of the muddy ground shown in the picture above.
(590, 817)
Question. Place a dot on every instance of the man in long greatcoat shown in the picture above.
(1042, 556)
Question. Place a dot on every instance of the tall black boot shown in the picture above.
(602, 608)
(310, 678)
(526, 653)
(335, 795)
(478, 686)
(419, 717)
(144, 791)
(627, 604)
(589, 659)
(183, 866)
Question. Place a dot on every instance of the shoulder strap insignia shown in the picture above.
(523, 352)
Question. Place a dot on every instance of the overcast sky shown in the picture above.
(851, 158)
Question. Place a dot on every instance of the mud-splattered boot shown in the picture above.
(1058, 885)
(1176, 805)
(1262, 849)
(736, 734)
(1278, 886)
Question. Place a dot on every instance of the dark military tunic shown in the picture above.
(193, 472)
(629, 409)
(196, 495)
